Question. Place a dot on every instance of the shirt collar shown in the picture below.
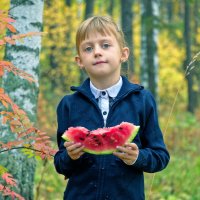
(112, 91)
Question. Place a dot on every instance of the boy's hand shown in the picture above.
(74, 150)
(128, 153)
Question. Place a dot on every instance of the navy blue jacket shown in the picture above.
(106, 177)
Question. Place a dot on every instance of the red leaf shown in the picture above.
(5, 63)
(2, 42)
(9, 40)
(15, 123)
(4, 120)
(4, 103)
(1, 69)
(25, 133)
(1, 90)
(6, 191)
(2, 26)
(7, 19)
(1, 187)
(11, 28)
(9, 179)
(15, 195)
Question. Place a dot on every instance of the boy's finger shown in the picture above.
(125, 149)
(131, 145)
(67, 144)
(124, 157)
(77, 150)
(131, 149)
(74, 146)
(76, 156)
(121, 155)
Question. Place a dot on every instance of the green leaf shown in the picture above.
(2, 170)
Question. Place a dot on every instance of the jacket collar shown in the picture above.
(126, 88)
(111, 91)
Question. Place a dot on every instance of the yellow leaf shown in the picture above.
(4, 103)
(1, 90)
(15, 123)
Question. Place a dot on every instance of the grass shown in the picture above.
(179, 181)
(48, 183)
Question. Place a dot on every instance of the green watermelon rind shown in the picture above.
(65, 137)
(110, 151)
(133, 134)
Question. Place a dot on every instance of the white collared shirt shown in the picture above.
(103, 96)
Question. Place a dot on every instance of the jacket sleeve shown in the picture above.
(153, 155)
(63, 163)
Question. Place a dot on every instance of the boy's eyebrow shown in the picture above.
(91, 41)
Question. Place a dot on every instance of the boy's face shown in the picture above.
(101, 56)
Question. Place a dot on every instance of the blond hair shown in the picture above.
(101, 24)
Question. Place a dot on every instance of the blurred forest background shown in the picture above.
(164, 38)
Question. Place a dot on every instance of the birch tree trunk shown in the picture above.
(196, 15)
(110, 7)
(149, 37)
(188, 45)
(89, 8)
(127, 27)
(170, 13)
(24, 55)
(68, 2)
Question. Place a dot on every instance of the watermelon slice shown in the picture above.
(102, 140)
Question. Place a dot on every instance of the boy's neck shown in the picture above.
(104, 83)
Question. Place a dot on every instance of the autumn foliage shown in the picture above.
(29, 139)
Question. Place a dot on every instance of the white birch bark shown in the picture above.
(149, 39)
(144, 65)
(155, 5)
(24, 55)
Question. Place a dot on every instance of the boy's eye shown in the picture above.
(88, 49)
(105, 45)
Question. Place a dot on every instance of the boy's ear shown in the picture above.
(125, 54)
(79, 62)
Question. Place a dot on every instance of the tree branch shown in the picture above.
(14, 148)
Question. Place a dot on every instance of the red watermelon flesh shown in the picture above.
(102, 140)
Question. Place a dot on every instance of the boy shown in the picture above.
(106, 99)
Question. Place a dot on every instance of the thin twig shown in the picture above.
(41, 180)
(151, 186)
(14, 148)
(170, 114)
(166, 127)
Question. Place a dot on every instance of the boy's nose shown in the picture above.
(97, 51)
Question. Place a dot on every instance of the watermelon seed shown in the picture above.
(111, 141)
(96, 139)
(88, 133)
(81, 138)
(103, 135)
(120, 128)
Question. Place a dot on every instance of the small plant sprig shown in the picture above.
(192, 65)
(6, 187)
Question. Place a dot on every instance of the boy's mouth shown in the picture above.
(99, 62)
